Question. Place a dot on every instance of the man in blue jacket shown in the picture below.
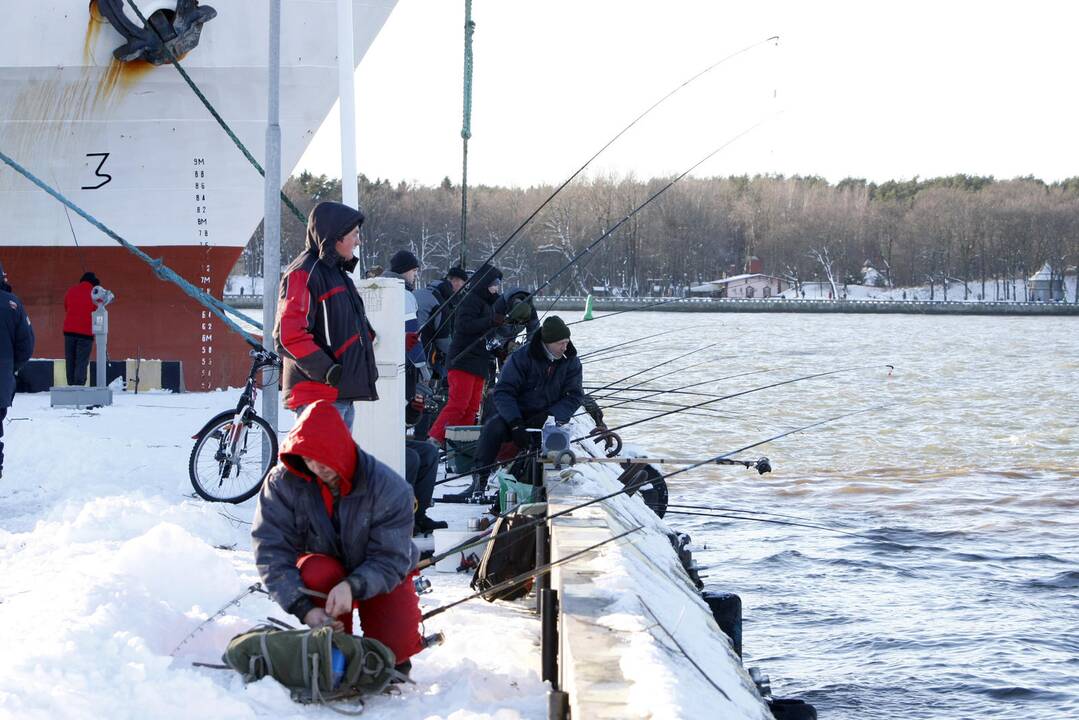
(16, 346)
(540, 379)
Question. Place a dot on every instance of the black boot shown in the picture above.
(479, 484)
(425, 524)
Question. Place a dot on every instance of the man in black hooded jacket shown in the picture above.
(322, 331)
(469, 357)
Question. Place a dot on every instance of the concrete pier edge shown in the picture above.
(592, 651)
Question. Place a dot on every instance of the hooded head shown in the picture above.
(485, 276)
(90, 278)
(327, 224)
(321, 435)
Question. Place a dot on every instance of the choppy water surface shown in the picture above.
(964, 599)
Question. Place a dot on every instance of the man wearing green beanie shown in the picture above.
(540, 379)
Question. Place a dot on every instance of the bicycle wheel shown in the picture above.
(218, 479)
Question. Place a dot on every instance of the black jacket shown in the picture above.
(531, 383)
(321, 319)
(474, 318)
(16, 343)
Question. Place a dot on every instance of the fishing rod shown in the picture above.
(590, 353)
(611, 230)
(659, 365)
(632, 350)
(665, 414)
(769, 521)
(631, 487)
(533, 573)
(761, 465)
(681, 389)
(738, 394)
(722, 508)
(468, 283)
(633, 309)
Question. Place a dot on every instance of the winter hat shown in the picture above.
(554, 330)
(403, 261)
(90, 278)
(457, 272)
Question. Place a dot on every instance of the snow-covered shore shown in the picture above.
(106, 563)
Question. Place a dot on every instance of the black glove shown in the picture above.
(521, 437)
(333, 375)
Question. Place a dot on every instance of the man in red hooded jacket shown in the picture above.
(78, 328)
(334, 520)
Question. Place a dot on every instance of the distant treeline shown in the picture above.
(974, 230)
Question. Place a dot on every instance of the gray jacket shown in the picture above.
(374, 543)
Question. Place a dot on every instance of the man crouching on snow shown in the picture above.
(334, 520)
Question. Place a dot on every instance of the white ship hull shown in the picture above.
(131, 144)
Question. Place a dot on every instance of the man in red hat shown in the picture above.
(334, 520)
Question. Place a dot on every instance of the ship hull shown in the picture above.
(150, 319)
(132, 145)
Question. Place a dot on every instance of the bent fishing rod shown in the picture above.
(630, 488)
(614, 228)
(502, 246)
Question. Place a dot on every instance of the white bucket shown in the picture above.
(446, 539)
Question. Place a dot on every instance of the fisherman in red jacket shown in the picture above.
(321, 329)
(78, 328)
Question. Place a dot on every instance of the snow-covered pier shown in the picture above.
(635, 637)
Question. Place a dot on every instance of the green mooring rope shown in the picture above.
(466, 128)
(164, 272)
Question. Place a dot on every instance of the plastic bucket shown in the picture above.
(446, 539)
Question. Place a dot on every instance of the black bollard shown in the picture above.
(543, 556)
(791, 709)
(549, 636)
(727, 610)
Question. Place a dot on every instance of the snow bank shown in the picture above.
(107, 562)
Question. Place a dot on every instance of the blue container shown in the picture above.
(338, 664)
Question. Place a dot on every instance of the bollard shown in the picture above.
(727, 610)
(543, 554)
(549, 636)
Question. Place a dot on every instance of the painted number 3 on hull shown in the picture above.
(105, 177)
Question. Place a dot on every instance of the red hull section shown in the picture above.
(150, 317)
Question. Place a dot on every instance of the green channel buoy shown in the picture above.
(588, 308)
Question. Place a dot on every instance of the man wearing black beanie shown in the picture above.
(540, 379)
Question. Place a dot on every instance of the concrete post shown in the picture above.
(271, 247)
(380, 426)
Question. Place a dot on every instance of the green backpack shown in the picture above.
(302, 661)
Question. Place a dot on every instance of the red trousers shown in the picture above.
(393, 619)
(466, 392)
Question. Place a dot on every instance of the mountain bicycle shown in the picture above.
(236, 448)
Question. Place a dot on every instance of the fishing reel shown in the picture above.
(422, 585)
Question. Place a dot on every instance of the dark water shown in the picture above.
(962, 599)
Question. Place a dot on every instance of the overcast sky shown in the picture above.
(852, 89)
